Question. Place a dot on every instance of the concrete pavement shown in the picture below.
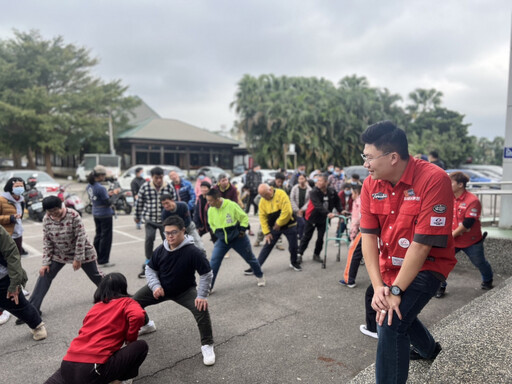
(301, 327)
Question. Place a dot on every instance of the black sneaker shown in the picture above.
(248, 272)
(296, 267)
(440, 292)
(317, 258)
(487, 285)
(142, 275)
(413, 355)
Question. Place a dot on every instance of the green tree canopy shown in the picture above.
(51, 103)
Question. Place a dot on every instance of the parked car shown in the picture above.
(212, 172)
(127, 176)
(239, 170)
(491, 171)
(111, 162)
(359, 169)
(474, 176)
(45, 183)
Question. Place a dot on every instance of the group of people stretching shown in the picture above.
(406, 236)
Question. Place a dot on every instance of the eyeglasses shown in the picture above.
(172, 233)
(368, 160)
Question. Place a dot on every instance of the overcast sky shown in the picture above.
(184, 58)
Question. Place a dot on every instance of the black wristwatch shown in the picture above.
(396, 291)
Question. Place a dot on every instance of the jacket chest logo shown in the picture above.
(379, 196)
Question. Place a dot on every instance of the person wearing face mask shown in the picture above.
(12, 205)
(335, 180)
(201, 177)
(64, 242)
(299, 197)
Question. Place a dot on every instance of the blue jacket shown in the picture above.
(186, 193)
(101, 205)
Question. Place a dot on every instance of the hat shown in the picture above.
(100, 170)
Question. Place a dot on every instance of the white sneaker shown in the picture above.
(25, 292)
(4, 317)
(366, 332)
(261, 281)
(208, 354)
(148, 328)
(39, 332)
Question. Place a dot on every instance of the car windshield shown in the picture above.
(40, 176)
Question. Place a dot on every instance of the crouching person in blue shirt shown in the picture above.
(170, 275)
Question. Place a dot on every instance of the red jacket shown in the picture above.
(106, 327)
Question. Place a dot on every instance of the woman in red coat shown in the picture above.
(95, 355)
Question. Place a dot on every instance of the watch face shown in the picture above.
(395, 290)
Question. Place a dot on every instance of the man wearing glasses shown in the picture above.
(170, 275)
(406, 209)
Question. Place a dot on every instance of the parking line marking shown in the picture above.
(33, 252)
(128, 235)
(127, 242)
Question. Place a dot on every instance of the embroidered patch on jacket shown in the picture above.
(398, 261)
(412, 198)
(379, 196)
(439, 208)
(404, 243)
(409, 192)
(437, 221)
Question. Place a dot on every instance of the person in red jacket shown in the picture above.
(467, 230)
(95, 355)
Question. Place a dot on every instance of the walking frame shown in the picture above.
(343, 237)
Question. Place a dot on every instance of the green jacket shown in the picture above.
(10, 258)
(228, 221)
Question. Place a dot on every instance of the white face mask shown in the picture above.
(18, 191)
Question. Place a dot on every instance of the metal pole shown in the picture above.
(111, 133)
(506, 201)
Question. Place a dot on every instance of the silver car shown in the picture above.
(45, 183)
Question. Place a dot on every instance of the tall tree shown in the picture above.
(49, 100)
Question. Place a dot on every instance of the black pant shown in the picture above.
(252, 195)
(371, 323)
(145, 298)
(151, 229)
(103, 238)
(291, 236)
(43, 283)
(122, 365)
(23, 310)
(308, 234)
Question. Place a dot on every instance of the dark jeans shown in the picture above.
(371, 323)
(151, 229)
(23, 310)
(392, 364)
(308, 234)
(103, 238)
(19, 241)
(355, 254)
(301, 224)
(252, 195)
(122, 365)
(242, 246)
(291, 236)
(43, 283)
(476, 255)
(145, 298)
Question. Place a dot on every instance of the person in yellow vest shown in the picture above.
(276, 219)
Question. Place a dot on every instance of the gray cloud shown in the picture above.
(185, 57)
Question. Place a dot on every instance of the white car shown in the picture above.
(127, 176)
(45, 183)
